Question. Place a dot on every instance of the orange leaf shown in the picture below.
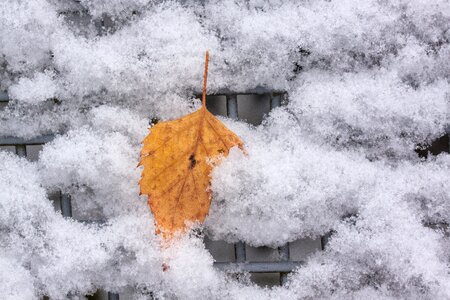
(178, 157)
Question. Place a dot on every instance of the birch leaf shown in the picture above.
(178, 157)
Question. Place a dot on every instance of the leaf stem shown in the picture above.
(205, 77)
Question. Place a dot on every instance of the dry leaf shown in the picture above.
(177, 165)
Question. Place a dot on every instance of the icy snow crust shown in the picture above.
(367, 82)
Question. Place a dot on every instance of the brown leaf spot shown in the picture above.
(192, 160)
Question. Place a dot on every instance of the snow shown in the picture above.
(99, 171)
(38, 89)
(367, 82)
(406, 263)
